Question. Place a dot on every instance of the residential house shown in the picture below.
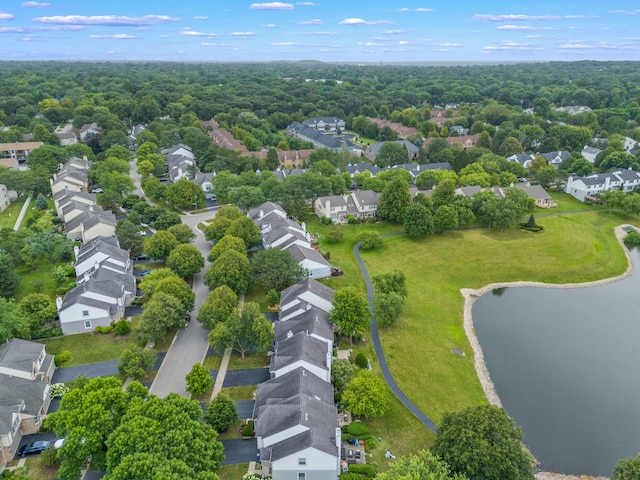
(267, 208)
(294, 300)
(25, 374)
(64, 197)
(4, 197)
(585, 188)
(70, 178)
(372, 151)
(73, 209)
(223, 138)
(400, 129)
(133, 136)
(321, 140)
(573, 109)
(459, 130)
(361, 204)
(362, 167)
(205, 182)
(466, 141)
(539, 194)
(326, 124)
(310, 259)
(18, 151)
(312, 320)
(104, 253)
(89, 129)
(416, 169)
(91, 224)
(180, 161)
(630, 145)
(97, 300)
(302, 350)
(554, 158)
(590, 153)
(523, 159)
(333, 207)
(67, 138)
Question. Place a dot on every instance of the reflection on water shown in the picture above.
(566, 365)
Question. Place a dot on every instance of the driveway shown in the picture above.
(247, 376)
(240, 451)
(132, 311)
(91, 370)
(38, 437)
(245, 408)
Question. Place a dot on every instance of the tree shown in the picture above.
(218, 307)
(50, 246)
(388, 307)
(198, 379)
(167, 220)
(135, 361)
(118, 182)
(350, 312)
(243, 330)
(221, 412)
(393, 281)
(510, 146)
(391, 153)
(12, 320)
(246, 197)
(129, 237)
(366, 395)
(245, 229)
(9, 279)
(547, 175)
(394, 201)
(342, 372)
(163, 438)
(185, 260)
(483, 442)
(228, 242)
(445, 218)
(370, 240)
(182, 232)
(232, 269)
(581, 167)
(627, 469)
(273, 298)
(162, 313)
(41, 202)
(184, 193)
(444, 192)
(38, 309)
(160, 245)
(423, 465)
(150, 281)
(295, 205)
(277, 268)
(46, 158)
(418, 221)
(177, 288)
(217, 228)
(86, 418)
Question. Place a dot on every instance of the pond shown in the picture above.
(566, 366)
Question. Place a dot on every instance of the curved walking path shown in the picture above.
(377, 345)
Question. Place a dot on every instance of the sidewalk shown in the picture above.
(222, 372)
(22, 213)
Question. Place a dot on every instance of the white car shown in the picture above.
(58, 443)
(97, 190)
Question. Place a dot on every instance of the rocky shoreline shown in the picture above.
(471, 295)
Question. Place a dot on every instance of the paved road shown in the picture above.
(377, 345)
(247, 376)
(240, 451)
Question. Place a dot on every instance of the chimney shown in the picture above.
(58, 303)
(76, 251)
(87, 277)
(306, 417)
(289, 334)
(338, 440)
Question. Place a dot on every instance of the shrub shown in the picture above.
(121, 328)
(272, 297)
(350, 476)
(58, 390)
(357, 429)
(632, 239)
(351, 220)
(361, 360)
(325, 220)
(370, 240)
(335, 236)
(50, 457)
(327, 256)
(248, 430)
(251, 476)
(62, 358)
(364, 469)
(46, 333)
(104, 329)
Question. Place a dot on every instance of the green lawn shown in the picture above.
(233, 433)
(573, 248)
(212, 363)
(245, 392)
(251, 360)
(88, 347)
(9, 215)
(38, 280)
(36, 470)
(233, 472)
(566, 203)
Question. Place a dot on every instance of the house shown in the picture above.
(372, 151)
(25, 374)
(321, 140)
(523, 159)
(180, 160)
(573, 109)
(67, 138)
(267, 208)
(585, 188)
(64, 197)
(133, 136)
(400, 129)
(554, 158)
(416, 169)
(91, 224)
(98, 299)
(332, 206)
(364, 204)
(18, 150)
(294, 300)
(302, 350)
(590, 153)
(4, 197)
(205, 182)
(223, 138)
(326, 124)
(466, 141)
(312, 320)
(70, 178)
(361, 204)
(310, 259)
(630, 145)
(362, 167)
(89, 129)
(539, 194)
(104, 253)
(459, 130)
(72, 209)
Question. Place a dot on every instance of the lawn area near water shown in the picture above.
(572, 249)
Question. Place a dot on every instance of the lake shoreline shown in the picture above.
(471, 295)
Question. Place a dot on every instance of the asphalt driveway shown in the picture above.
(92, 370)
(247, 376)
(245, 408)
(240, 451)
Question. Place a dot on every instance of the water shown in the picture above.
(566, 365)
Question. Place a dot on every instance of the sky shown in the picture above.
(361, 31)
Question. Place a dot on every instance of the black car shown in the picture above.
(35, 447)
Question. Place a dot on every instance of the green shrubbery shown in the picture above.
(62, 358)
(248, 430)
(361, 360)
(632, 239)
(121, 328)
(46, 332)
(367, 470)
(357, 429)
(104, 330)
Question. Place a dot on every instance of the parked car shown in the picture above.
(141, 257)
(34, 447)
(187, 317)
(97, 190)
(145, 272)
(58, 443)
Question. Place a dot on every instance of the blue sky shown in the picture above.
(326, 30)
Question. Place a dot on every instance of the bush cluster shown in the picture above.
(248, 430)
(121, 327)
(367, 470)
(62, 358)
(47, 332)
(632, 239)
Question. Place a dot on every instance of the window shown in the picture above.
(85, 313)
(87, 324)
(301, 476)
(302, 461)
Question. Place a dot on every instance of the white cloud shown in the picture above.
(35, 4)
(53, 28)
(200, 17)
(361, 21)
(328, 34)
(108, 20)
(404, 42)
(512, 17)
(369, 44)
(424, 9)
(286, 44)
(625, 12)
(243, 34)
(271, 6)
(270, 25)
(578, 45)
(6, 16)
(448, 45)
(420, 9)
(307, 4)
(315, 21)
(522, 28)
(512, 46)
(192, 33)
(393, 32)
(119, 36)
(12, 30)
(205, 44)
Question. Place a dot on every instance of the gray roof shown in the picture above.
(18, 354)
(291, 293)
(334, 200)
(410, 147)
(323, 439)
(279, 233)
(265, 209)
(326, 140)
(281, 414)
(361, 167)
(303, 253)
(15, 389)
(555, 157)
(367, 197)
(90, 219)
(202, 177)
(103, 282)
(299, 347)
(314, 120)
(64, 196)
(311, 321)
(534, 191)
(469, 190)
(86, 207)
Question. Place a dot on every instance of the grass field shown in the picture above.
(9, 215)
(251, 360)
(88, 347)
(233, 472)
